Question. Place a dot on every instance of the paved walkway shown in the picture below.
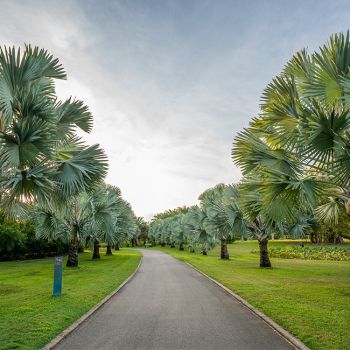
(168, 305)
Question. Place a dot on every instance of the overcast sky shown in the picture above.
(170, 83)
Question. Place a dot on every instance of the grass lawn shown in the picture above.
(30, 317)
(310, 298)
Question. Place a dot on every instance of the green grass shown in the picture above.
(310, 298)
(29, 315)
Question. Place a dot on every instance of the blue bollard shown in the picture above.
(57, 277)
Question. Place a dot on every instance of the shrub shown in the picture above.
(310, 253)
(12, 242)
(18, 241)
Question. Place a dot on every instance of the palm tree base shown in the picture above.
(109, 250)
(264, 254)
(73, 253)
(224, 252)
(72, 262)
(96, 254)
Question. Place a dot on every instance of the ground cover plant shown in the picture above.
(309, 298)
(337, 253)
(31, 317)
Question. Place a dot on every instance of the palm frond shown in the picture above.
(82, 170)
(330, 211)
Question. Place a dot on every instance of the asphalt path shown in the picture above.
(168, 305)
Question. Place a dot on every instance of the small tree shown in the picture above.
(84, 216)
(194, 222)
(223, 216)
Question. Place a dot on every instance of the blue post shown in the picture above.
(57, 277)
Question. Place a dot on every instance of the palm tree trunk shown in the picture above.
(264, 253)
(73, 253)
(181, 247)
(313, 237)
(109, 250)
(96, 254)
(204, 250)
(172, 245)
(116, 246)
(224, 251)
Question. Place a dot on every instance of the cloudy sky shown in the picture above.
(170, 83)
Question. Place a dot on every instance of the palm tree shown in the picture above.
(296, 151)
(41, 156)
(126, 227)
(143, 227)
(177, 230)
(114, 218)
(71, 223)
(157, 231)
(104, 204)
(194, 224)
(84, 216)
(164, 229)
(305, 118)
(223, 216)
(274, 190)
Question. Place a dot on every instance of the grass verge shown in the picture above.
(309, 298)
(29, 315)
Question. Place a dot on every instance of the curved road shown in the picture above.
(168, 305)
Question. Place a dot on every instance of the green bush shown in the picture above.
(18, 241)
(310, 253)
(38, 248)
(12, 242)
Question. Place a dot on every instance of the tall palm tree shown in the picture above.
(305, 118)
(297, 150)
(274, 190)
(41, 157)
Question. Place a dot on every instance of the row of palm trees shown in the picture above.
(100, 215)
(220, 216)
(294, 156)
(47, 171)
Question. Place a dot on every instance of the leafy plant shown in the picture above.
(41, 156)
(311, 253)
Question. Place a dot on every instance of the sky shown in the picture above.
(170, 83)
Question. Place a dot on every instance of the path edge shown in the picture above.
(55, 341)
(298, 344)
